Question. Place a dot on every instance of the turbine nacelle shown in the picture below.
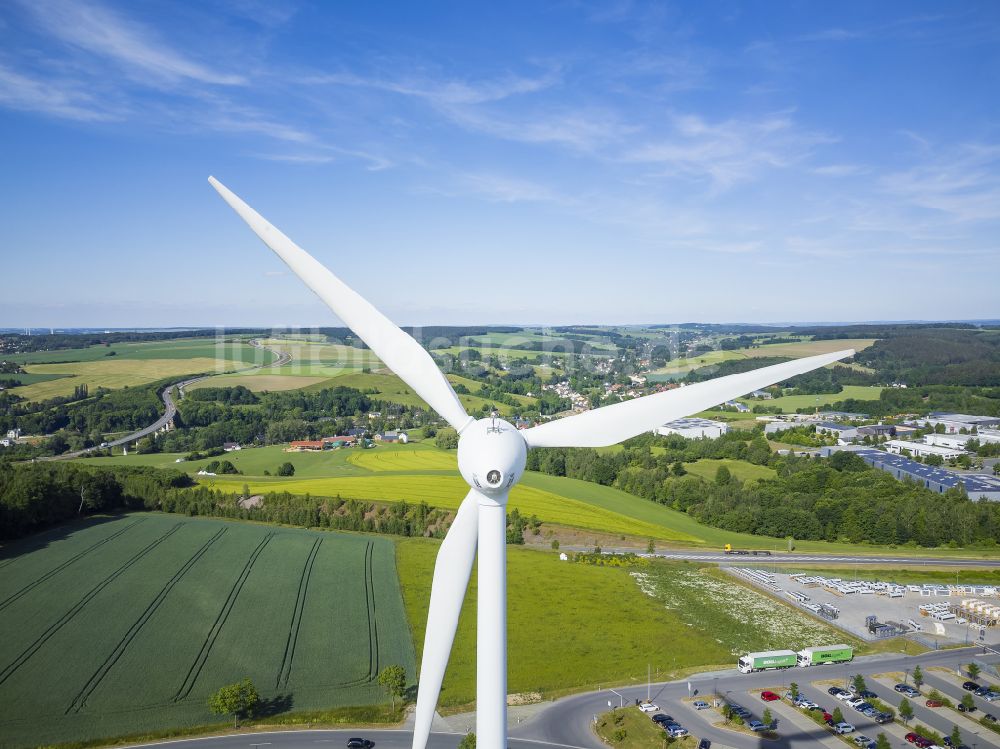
(491, 457)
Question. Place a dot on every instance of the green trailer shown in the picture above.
(768, 659)
(815, 656)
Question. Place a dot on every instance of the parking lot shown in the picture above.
(855, 601)
(795, 727)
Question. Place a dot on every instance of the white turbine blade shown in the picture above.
(610, 425)
(451, 578)
(400, 352)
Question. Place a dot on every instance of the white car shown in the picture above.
(991, 696)
(855, 702)
(808, 705)
(649, 707)
(843, 728)
(862, 740)
(844, 696)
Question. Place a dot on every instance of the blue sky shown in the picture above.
(608, 162)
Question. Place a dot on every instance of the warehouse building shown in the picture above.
(979, 486)
(922, 449)
(694, 428)
(955, 423)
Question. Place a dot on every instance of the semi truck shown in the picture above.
(815, 656)
(768, 659)
(728, 549)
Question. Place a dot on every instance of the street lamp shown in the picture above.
(620, 698)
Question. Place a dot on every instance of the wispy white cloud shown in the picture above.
(963, 183)
(442, 92)
(727, 152)
(840, 170)
(59, 98)
(102, 32)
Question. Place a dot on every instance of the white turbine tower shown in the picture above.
(491, 458)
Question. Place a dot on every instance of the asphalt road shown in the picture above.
(170, 408)
(567, 722)
(780, 558)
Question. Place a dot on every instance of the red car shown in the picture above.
(923, 743)
(769, 696)
(828, 719)
(934, 703)
(911, 737)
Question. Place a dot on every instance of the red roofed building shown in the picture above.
(304, 445)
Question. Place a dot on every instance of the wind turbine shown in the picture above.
(491, 459)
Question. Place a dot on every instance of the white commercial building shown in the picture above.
(988, 435)
(921, 450)
(955, 423)
(954, 441)
(694, 428)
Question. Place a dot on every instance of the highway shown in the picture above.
(170, 408)
(567, 722)
(780, 557)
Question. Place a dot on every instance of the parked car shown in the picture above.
(649, 707)
(704, 744)
(934, 703)
(828, 719)
(922, 742)
(867, 694)
(963, 709)
(843, 728)
(675, 731)
(769, 696)
(991, 696)
(990, 717)
(835, 691)
(882, 718)
(864, 706)
(854, 702)
(661, 718)
(911, 737)
(756, 725)
(844, 696)
(863, 741)
(980, 691)
(359, 743)
(700, 705)
(970, 686)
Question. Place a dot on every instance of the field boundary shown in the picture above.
(14, 665)
(80, 701)
(285, 672)
(220, 621)
(372, 619)
(59, 568)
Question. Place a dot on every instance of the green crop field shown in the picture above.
(807, 348)
(261, 381)
(57, 373)
(740, 469)
(789, 403)
(617, 630)
(404, 472)
(129, 624)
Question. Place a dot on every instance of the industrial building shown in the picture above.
(954, 441)
(773, 427)
(694, 428)
(922, 449)
(843, 432)
(955, 423)
(978, 486)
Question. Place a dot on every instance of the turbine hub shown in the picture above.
(491, 457)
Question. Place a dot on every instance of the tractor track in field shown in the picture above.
(14, 665)
(56, 570)
(80, 701)
(220, 621)
(372, 620)
(285, 672)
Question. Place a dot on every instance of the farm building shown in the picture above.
(741, 407)
(694, 428)
(762, 394)
(306, 446)
(922, 449)
(343, 440)
(392, 436)
(979, 486)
